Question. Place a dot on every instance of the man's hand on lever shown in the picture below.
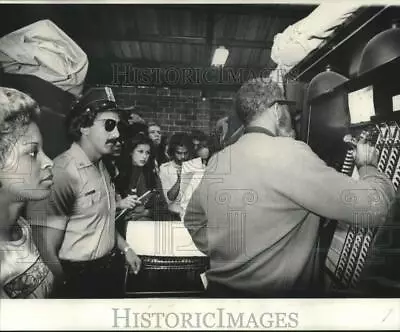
(365, 154)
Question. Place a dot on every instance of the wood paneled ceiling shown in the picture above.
(161, 36)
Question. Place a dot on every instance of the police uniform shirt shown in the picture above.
(82, 202)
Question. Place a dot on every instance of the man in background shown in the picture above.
(154, 131)
(170, 173)
(155, 134)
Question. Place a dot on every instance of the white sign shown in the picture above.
(361, 105)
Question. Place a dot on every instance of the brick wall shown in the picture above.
(176, 110)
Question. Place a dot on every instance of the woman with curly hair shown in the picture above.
(25, 175)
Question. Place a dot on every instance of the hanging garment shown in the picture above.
(42, 49)
(298, 40)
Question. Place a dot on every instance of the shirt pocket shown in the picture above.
(89, 200)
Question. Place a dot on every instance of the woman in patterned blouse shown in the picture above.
(25, 174)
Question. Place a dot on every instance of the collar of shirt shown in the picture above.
(80, 156)
(260, 130)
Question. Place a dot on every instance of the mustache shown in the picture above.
(112, 141)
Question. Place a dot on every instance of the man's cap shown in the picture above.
(13, 102)
(97, 98)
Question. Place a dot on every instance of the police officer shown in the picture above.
(75, 227)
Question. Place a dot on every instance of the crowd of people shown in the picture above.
(69, 215)
(114, 159)
(145, 159)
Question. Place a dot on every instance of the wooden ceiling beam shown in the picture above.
(287, 11)
(147, 73)
(184, 40)
(140, 63)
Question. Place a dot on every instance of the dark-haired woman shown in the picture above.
(138, 176)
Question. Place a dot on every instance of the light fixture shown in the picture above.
(220, 56)
(324, 82)
(381, 49)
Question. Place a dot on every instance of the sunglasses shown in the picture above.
(110, 124)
